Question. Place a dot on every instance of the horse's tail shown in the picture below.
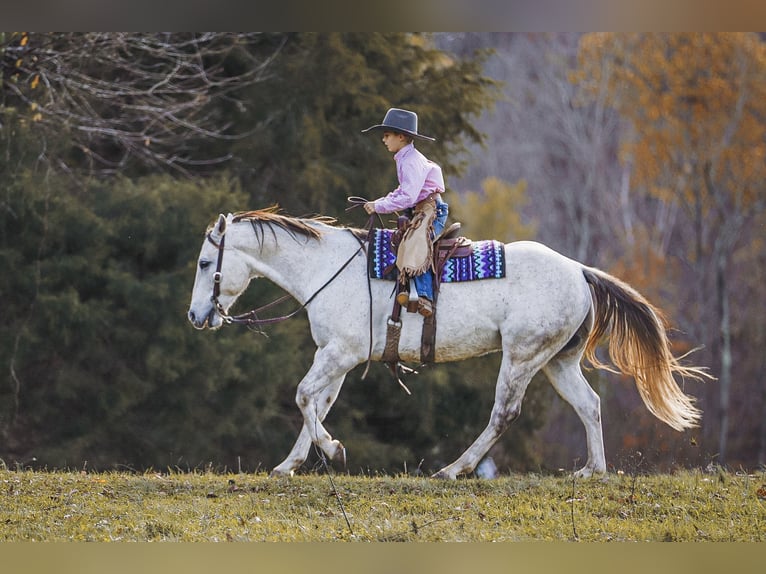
(638, 346)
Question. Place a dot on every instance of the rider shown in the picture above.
(421, 184)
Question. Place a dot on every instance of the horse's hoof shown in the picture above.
(587, 472)
(442, 475)
(280, 473)
(340, 455)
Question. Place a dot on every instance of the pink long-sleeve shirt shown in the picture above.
(418, 176)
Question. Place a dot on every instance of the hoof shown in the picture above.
(340, 455)
(276, 473)
(587, 472)
(442, 475)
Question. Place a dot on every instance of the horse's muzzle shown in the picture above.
(200, 322)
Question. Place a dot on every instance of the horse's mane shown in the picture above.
(294, 225)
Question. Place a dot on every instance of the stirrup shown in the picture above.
(425, 307)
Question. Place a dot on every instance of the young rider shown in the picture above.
(421, 185)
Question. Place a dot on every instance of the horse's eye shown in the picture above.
(204, 264)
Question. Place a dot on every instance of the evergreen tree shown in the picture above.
(99, 361)
(307, 152)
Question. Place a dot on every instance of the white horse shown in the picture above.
(545, 315)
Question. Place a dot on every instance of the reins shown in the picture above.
(359, 202)
(251, 319)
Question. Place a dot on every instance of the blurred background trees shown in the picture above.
(696, 105)
(642, 154)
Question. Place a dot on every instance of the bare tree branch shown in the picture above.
(133, 97)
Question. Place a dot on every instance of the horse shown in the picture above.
(547, 314)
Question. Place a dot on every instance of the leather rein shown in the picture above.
(251, 319)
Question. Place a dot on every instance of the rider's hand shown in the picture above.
(369, 207)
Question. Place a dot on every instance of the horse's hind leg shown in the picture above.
(565, 374)
(512, 383)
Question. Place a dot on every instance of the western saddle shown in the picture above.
(447, 244)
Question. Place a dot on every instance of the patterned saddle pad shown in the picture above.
(487, 260)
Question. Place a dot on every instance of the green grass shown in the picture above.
(206, 506)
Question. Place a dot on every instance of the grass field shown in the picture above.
(690, 505)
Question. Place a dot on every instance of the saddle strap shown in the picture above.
(428, 336)
(428, 340)
(445, 249)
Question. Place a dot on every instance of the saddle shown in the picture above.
(446, 245)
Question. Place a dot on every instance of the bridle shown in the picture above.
(217, 277)
(251, 319)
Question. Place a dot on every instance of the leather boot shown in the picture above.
(425, 307)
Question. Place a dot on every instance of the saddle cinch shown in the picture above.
(448, 244)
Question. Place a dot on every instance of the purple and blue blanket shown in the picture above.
(487, 260)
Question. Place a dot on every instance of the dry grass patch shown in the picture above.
(684, 506)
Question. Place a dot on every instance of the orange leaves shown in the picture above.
(646, 268)
(694, 99)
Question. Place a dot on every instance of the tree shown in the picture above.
(307, 152)
(493, 213)
(698, 144)
(114, 101)
(99, 361)
(542, 132)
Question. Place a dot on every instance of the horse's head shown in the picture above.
(221, 277)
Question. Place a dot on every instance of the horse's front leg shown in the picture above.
(315, 395)
(297, 456)
(300, 450)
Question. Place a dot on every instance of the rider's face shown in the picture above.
(394, 141)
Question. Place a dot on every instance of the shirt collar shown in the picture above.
(404, 151)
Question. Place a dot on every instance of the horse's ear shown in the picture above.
(220, 227)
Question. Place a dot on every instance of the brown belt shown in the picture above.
(431, 199)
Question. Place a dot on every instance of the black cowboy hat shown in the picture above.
(403, 121)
